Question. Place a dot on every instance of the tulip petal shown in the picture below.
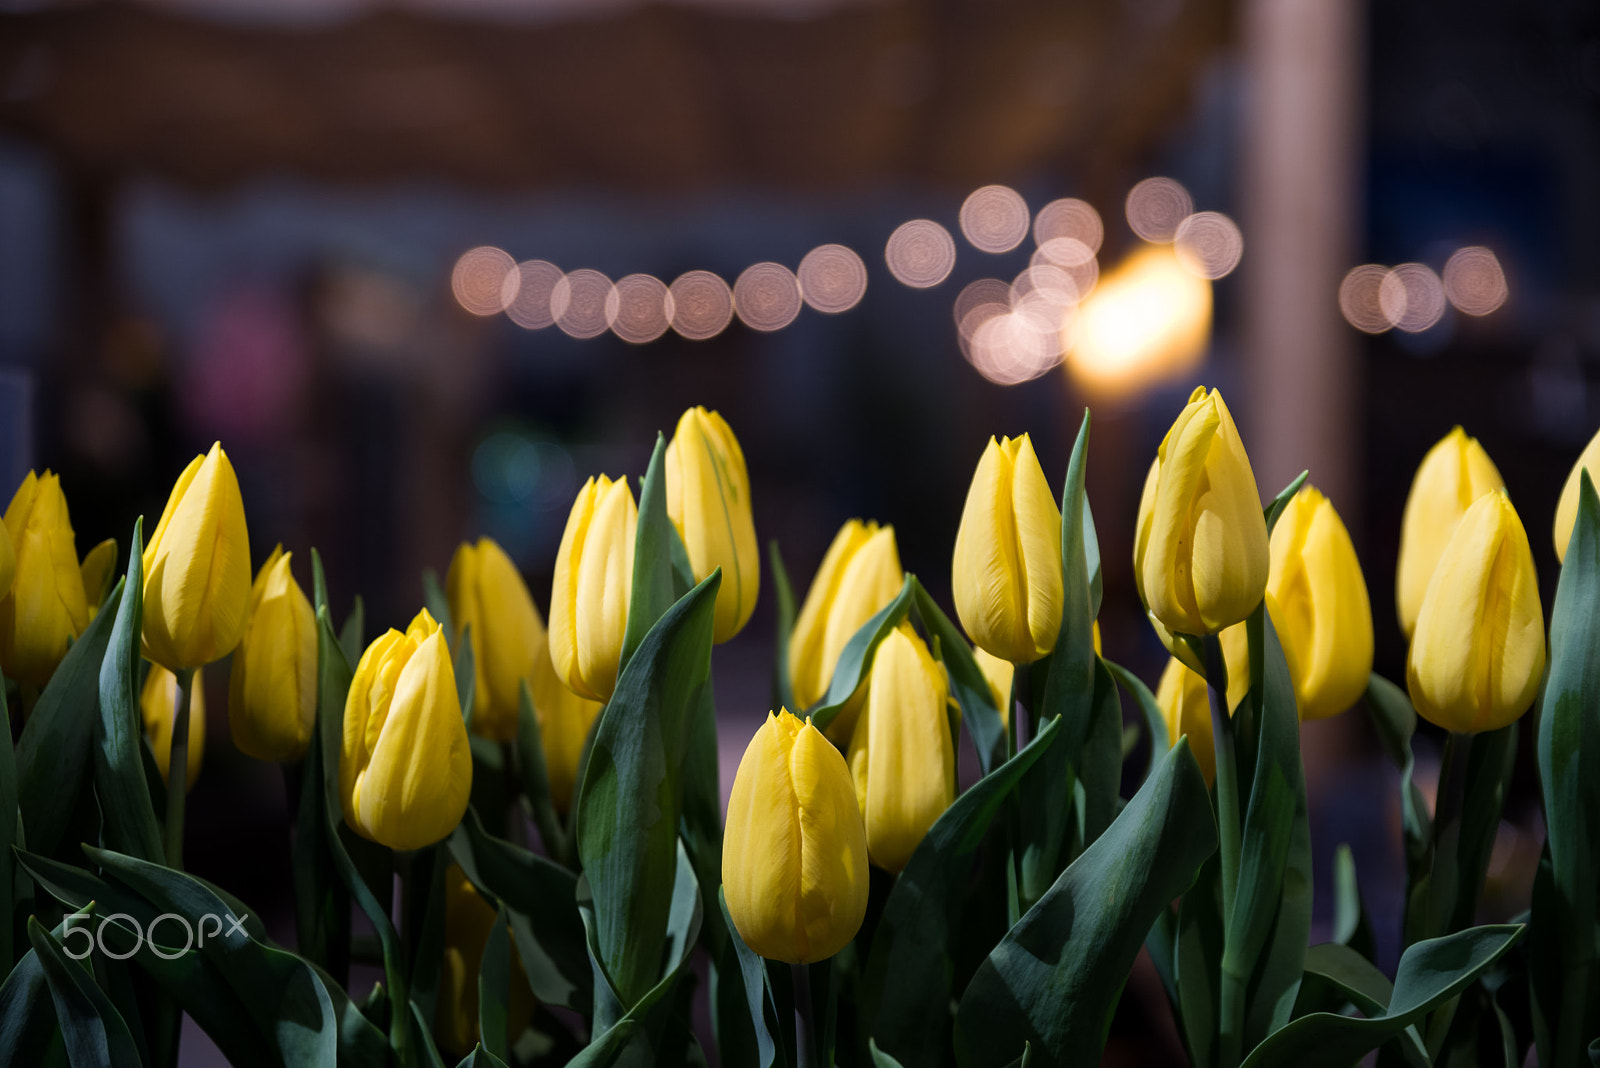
(988, 579)
(809, 669)
(762, 844)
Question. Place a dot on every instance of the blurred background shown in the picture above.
(425, 265)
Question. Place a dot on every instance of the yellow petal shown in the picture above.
(809, 670)
(272, 691)
(871, 580)
(708, 500)
(987, 577)
(157, 709)
(998, 674)
(1454, 474)
(1038, 524)
(45, 608)
(1185, 704)
(486, 592)
(593, 582)
(1567, 507)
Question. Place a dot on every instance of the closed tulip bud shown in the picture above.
(708, 500)
(158, 706)
(794, 855)
(1185, 704)
(902, 756)
(8, 561)
(1454, 474)
(468, 921)
(1007, 570)
(405, 769)
(197, 568)
(487, 593)
(45, 608)
(272, 691)
(1566, 509)
(98, 571)
(593, 583)
(1200, 553)
(1478, 651)
(564, 722)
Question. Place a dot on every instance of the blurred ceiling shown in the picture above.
(647, 97)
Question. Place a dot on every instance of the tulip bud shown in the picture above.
(468, 921)
(158, 707)
(197, 568)
(1566, 508)
(859, 575)
(1454, 474)
(1200, 554)
(564, 722)
(902, 756)
(272, 691)
(45, 608)
(1318, 602)
(405, 769)
(1007, 576)
(487, 593)
(98, 571)
(1478, 651)
(708, 500)
(8, 561)
(1185, 704)
(794, 855)
(593, 583)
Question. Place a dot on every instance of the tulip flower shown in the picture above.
(98, 571)
(1478, 651)
(1566, 509)
(564, 722)
(1454, 474)
(468, 921)
(272, 692)
(902, 756)
(593, 583)
(794, 854)
(1318, 602)
(1185, 704)
(197, 568)
(859, 575)
(406, 768)
(158, 706)
(487, 593)
(8, 561)
(708, 500)
(1007, 575)
(1200, 552)
(45, 608)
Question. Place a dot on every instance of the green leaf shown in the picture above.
(1155, 723)
(130, 821)
(94, 1031)
(534, 775)
(1351, 927)
(1431, 973)
(652, 592)
(967, 682)
(782, 684)
(494, 989)
(1055, 979)
(855, 659)
(759, 998)
(906, 986)
(466, 671)
(481, 1058)
(321, 901)
(1275, 507)
(433, 598)
(1091, 556)
(1396, 721)
(28, 1032)
(10, 830)
(352, 635)
(632, 795)
(1196, 958)
(881, 1059)
(1336, 975)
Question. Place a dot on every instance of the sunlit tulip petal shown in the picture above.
(1454, 474)
(45, 608)
(158, 705)
(1186, 706)
(708, 500)
(1567, 508)
(487, 594)
(272, 691)
(593, 583)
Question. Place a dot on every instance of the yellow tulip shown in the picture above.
(45, 608)
(564, 722)
(708, 500)
(486, 593)
(902, 756)
(468, 921)
(859, 575)
(8, 561)
(1566, 509)
(1007, 569)
(1200, 551)
(406, 769)
(1185, 704)
(272, 691)
(1454, 474)
(794, 855)
(1318, 602)
(593, 582)
(1478, 651)
(197, 568)
(98, 573)
(158, 706)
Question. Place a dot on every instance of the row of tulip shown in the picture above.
(919, 924)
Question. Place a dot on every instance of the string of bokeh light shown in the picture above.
(1412, 297)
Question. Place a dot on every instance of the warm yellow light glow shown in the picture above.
(702, 305)
(995, 218)
(639, 308)
(527, 291)
(479, 280)
(1156, 206)
(920, 253)
(1069, 218)
(832, 279)
(1412, 297)
(578, 303)
(1358, 298)
(766, 296)
(1474, 281)
(1147, 320)
(1209, 244)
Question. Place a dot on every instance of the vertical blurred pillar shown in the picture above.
(1301, 212)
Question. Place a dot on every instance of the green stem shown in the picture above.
(805, 1037)
(1452, 796)
(398, 972)
(1574, 1006)
(1230, 1038)
(178, 771)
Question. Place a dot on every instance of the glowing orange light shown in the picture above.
(1209, 244)
(1156, 206)
(578, 303)
(479, 280)
(1358, 298)
(920, 253)
(1474, 281)
(1412, 297)
(995, 218)
(1148, 320)
(1069, 218)
(832, 279)
(766, 296)
(702, 305)
(639, 308)
(526, 293)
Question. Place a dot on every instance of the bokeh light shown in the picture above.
(1209, 244)
(1412, 297)
(1019, 345)
(1048, 282)
(1069, 218)
(1147, 321)
(527, 293)
(639, 308)
(995, 218)
(980, 300)
(920, 253)
(766, 296)
(702, 305)
(1156, 206)
(832, 279)
(1474, 281)
(1074, 257)
(1358, 298)
(578, 303)
(510, 468)
(479, 280)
